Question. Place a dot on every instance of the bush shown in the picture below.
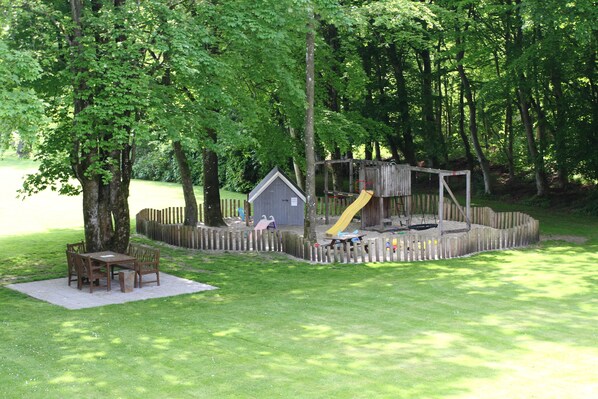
(156, 164)
(239, 171)
(590, 206)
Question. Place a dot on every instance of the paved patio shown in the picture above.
(58, 292)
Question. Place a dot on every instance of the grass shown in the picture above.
(509, 324)
(46, 211)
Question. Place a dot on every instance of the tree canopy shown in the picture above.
(490, 85)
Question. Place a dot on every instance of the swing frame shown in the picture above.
(442, 187)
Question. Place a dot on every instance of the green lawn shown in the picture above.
(47, 211)
(511, 324)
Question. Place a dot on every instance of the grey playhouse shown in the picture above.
(278, 196)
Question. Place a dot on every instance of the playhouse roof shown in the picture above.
(269, 179)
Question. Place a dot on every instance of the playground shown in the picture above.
(237, 225)
(383, 220)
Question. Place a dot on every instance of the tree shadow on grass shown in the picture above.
(278, 328)
(35, 256)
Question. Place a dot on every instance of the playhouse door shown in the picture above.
(283, 212)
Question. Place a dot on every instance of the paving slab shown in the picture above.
(58, 292)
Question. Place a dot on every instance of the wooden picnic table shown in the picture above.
(345, 240)
(110, 259)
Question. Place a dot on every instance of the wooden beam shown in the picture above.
(448, 189)
(441, 205)
(468, 198)
(333, 161)
(438, 171)
(326, 206)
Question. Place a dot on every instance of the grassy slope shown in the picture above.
(47, 211)
(511, 324)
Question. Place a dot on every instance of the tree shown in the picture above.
(525, 100)
(98, 59)
(191, 207)
(310, 175)
(473, 126)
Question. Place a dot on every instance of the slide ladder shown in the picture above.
(349, 213)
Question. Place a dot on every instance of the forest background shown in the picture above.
(214, 92)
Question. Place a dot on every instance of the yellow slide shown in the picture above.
(348, 214)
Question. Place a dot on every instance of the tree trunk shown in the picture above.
(524, 103)
(438, 102)
(473, 127)
(509, 132)
(191, 212)
(368, 151)
(526, 119)
(119, 199)
(560, 126)
(106, 214)
(369, 98)
(397, 62)
(337, 171)
(378, 151)
(462, 134)
(310, 179)
(211, 183)
(300, 179)
(509, 136)
(433, 146)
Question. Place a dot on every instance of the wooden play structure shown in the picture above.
(384, 188)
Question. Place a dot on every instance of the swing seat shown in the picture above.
(423, 226)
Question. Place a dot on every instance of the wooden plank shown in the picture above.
(384, 249)
(216, 244)
(374, 254)
(401, 249)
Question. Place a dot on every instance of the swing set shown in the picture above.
(443, 187)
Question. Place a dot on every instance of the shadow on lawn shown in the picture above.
(278, 328)
(35, 256)
(408, 330)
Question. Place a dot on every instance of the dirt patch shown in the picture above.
(235, 224)
(564, 237)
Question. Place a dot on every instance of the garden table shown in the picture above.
(345, 239)
(110, 259)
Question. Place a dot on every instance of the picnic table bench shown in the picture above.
(347, 241)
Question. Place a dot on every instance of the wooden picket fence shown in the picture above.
(337, 205)
(508, 230)
(230, 208)
(176, 215)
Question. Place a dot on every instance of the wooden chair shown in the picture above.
(148, 262)
(74, 269)
(77, 248)
(88, 270)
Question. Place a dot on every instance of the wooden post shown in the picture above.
(350, 175)
(468, 198)
(441, 203)
(326, 206)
